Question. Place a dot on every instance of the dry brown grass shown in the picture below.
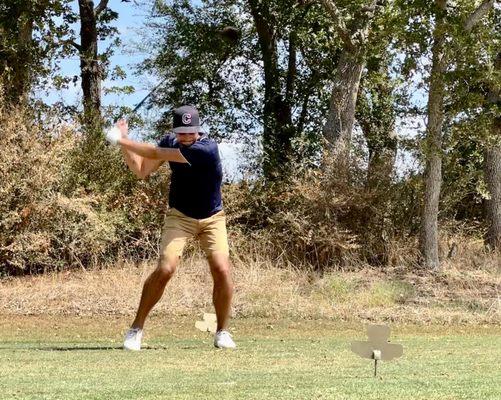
(459, 294)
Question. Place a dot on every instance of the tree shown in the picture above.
(354, 40)
(94, 26)
(433, 148)
(196, 66)
(492, 163)
(470, 172)
(278, 128)
(267, 85)
(378, 103)
(30, 35)
(376, 115)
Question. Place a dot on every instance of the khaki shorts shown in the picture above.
(178, 228)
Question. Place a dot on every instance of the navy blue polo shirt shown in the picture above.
(195, 188)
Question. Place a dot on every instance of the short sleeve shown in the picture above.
(166, 142)
(202, 152)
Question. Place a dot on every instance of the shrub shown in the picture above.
(302, 218)
(69, 202)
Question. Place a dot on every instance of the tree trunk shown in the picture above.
(433, 152)
(492, 172)
(17, 55)
(376, 116)
(278, 130)
(90, 68)
(381, 165)
(492, 167)
(341, 116)
(22, 75)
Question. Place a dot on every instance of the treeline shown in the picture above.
(298, 82)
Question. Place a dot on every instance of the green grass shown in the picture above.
(340, 289)
(387, 293)
(76, 358)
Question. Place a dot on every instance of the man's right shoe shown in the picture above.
(223, 340)
(133, 339)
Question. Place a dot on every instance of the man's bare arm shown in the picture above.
(140, 165)
(153, 152)
(133, 160)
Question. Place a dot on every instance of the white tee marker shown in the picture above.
(378, 346)
(209, 323)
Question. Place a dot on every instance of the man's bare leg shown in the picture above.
(223, 287)
(153, 289)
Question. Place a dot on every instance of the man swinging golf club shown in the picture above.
(195, 210)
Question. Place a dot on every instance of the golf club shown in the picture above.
(229, 33)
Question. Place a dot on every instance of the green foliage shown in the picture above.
(227, 82)
(303, 223)
(42, 228)
(31, 33)
(310, 214)
(323, 221)
(340, 289)
(471, 78)
(198, 65)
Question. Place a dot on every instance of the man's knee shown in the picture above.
(220, 266)
(166, 268)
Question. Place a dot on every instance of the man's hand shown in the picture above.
(124, 127)
(113, 135)
(119, 131)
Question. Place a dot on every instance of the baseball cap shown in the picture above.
(186, 120)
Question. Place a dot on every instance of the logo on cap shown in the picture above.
(186, 118)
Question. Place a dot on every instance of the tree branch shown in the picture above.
(101, 7)
(339, 22)
(368, 13)
(72, 43)
(441, 4)
(267, 40)
(292, 67)
(304, 109)
(494, 95)
(478, 14)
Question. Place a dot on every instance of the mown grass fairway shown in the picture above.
(74, 358)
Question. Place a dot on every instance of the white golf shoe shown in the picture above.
(223, 340)
(133, 339)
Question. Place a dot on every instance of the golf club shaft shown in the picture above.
(138, 105)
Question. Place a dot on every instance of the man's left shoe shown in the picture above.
(223, 340)
(133, 339)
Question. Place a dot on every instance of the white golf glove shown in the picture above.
(113, 134)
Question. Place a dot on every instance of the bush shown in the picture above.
(302, 220)
(383, 294)
(322, 219)
(67, 201)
